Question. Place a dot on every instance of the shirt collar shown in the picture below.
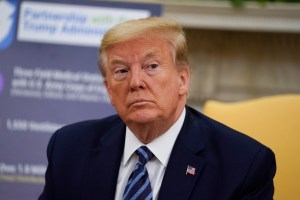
(161, 147)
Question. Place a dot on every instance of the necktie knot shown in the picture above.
(144, 155)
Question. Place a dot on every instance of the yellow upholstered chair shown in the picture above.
(275, 122)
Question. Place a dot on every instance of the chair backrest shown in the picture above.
(275, 122)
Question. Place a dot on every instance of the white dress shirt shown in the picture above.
(161, 147)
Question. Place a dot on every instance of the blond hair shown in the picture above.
(167, 28)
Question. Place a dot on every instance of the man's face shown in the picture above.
(143, 83)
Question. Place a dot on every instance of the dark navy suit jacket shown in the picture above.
(84, 160)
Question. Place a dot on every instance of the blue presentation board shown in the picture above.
(48, 78)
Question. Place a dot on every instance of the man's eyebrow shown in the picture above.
(147, 54)
(116, 60)
(150, 53)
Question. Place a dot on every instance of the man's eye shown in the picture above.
(120, 74)
(152, 66)
(121, 71)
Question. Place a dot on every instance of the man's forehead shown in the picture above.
(147, 53)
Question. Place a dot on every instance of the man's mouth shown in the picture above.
(139, 102)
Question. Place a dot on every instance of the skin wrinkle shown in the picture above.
(149, 100)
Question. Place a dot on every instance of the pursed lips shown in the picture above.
(139, 102)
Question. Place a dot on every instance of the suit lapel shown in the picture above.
(102, 165)
(177, 184)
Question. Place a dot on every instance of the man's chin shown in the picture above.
(141, 116)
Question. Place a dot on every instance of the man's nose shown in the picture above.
(136, 81)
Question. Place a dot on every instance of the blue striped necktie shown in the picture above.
(138, 186)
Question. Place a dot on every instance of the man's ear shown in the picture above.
(184, 76)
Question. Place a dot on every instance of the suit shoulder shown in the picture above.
(216, 132)
(86, 130)
(89, 125)
(227, 144)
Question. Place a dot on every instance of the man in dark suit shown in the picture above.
(157, 147)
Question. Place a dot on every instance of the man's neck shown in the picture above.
(147, 132)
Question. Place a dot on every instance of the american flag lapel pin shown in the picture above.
(190, 170)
